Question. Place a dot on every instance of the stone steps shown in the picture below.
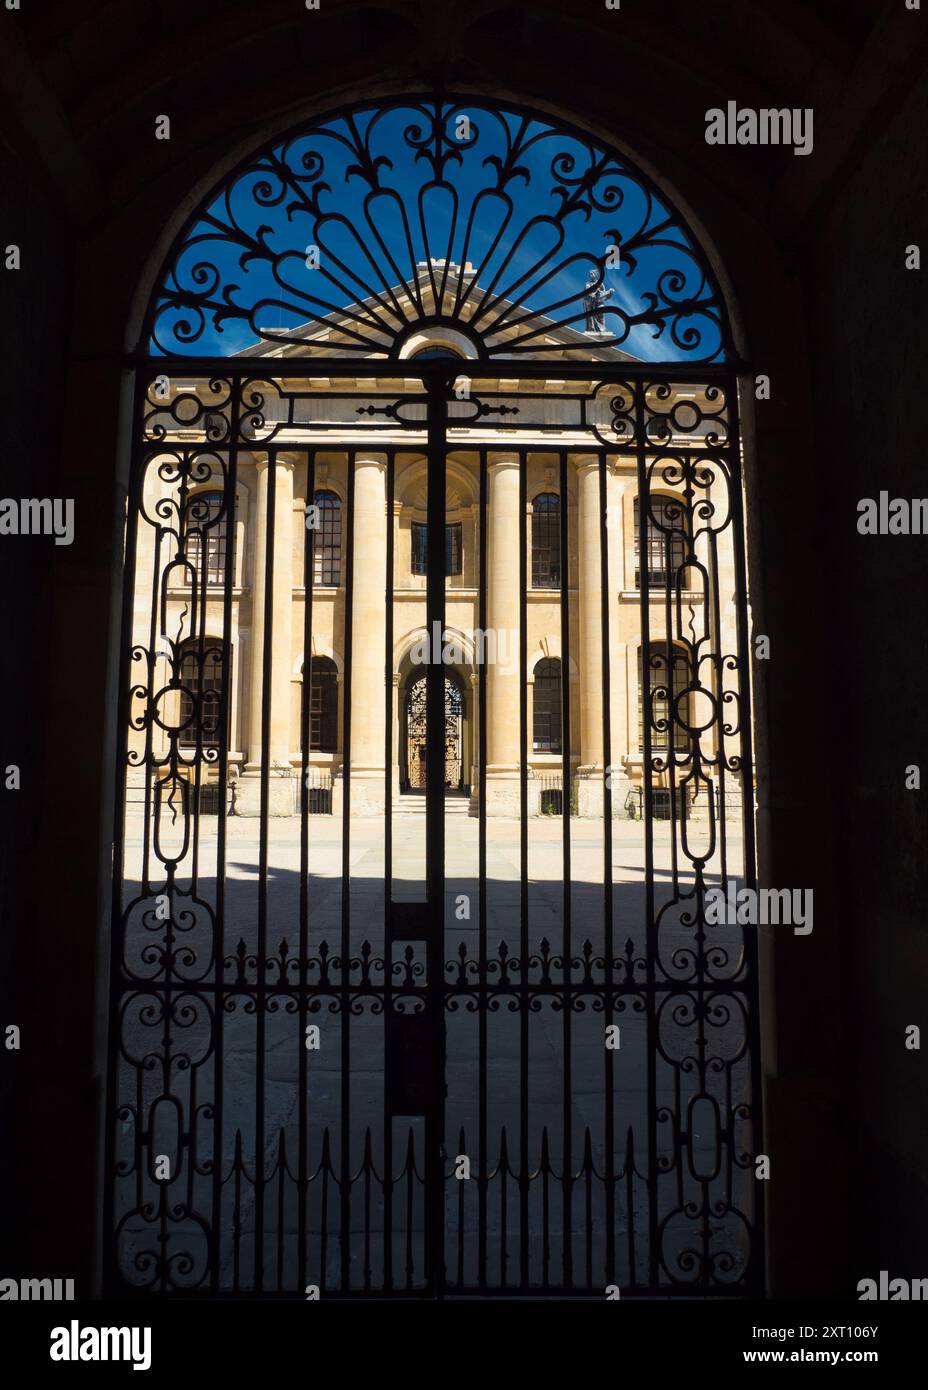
(414, 805)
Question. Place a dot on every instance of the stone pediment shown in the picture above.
(432, 285)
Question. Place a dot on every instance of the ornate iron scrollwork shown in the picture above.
(349, 235)
(498, 228)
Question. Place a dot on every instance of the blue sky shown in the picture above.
(371, 240)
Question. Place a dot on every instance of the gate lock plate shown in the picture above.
(414, 1072)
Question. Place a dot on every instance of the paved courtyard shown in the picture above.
(563, 1058)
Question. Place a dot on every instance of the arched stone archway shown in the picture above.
(819, 289)
(439, 530)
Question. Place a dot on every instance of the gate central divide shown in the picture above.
(429, 1081)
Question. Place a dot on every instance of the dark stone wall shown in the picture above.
(867, 322)
(35, 952)
(830, 314)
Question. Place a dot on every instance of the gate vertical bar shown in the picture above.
(261, 1021)
(225, 725)
(483, 998)
(567, 1155)
(309, 564)
(608, 942)
(650, 929)
(117, 929)
(344, 1232)
(756, 1271)
(523, 874)
(388, 873)
(435, 822)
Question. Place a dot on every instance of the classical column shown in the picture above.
(397, 735)
(502, 659)
(276, 680)
(621, 618)
(590, 643)
(368, 636)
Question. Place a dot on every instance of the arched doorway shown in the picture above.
(415, 760)
(280, 357)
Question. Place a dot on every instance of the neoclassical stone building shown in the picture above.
(318, 540)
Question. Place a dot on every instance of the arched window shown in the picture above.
(201, 693)
(546, 712)
(327, 541)
(670, 684)
(323, 705)
(206, 531)
(666, 539)
(435, 350)
(546, 541)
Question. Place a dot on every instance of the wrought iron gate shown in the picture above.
(446, 1081)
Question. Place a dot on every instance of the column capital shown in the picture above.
(583, 462)
(372, 461)
(501, 460)
(261, 462)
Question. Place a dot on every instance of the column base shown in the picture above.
(503, 794)
(368, 797)
(626, 803)
(282, 793)
(590, 795)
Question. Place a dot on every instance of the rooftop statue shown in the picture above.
(593, 299)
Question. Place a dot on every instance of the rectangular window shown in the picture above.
(453, 549)
(323, 709)
(666, 548)
(210, 799)
(546, 541)
(546, 707)
(661, 803)
(420, 540)
(327, 542)
(663, 707)
(207, 537)
(315, 716)
(420, 544)
(319, 801)
(200, 696)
